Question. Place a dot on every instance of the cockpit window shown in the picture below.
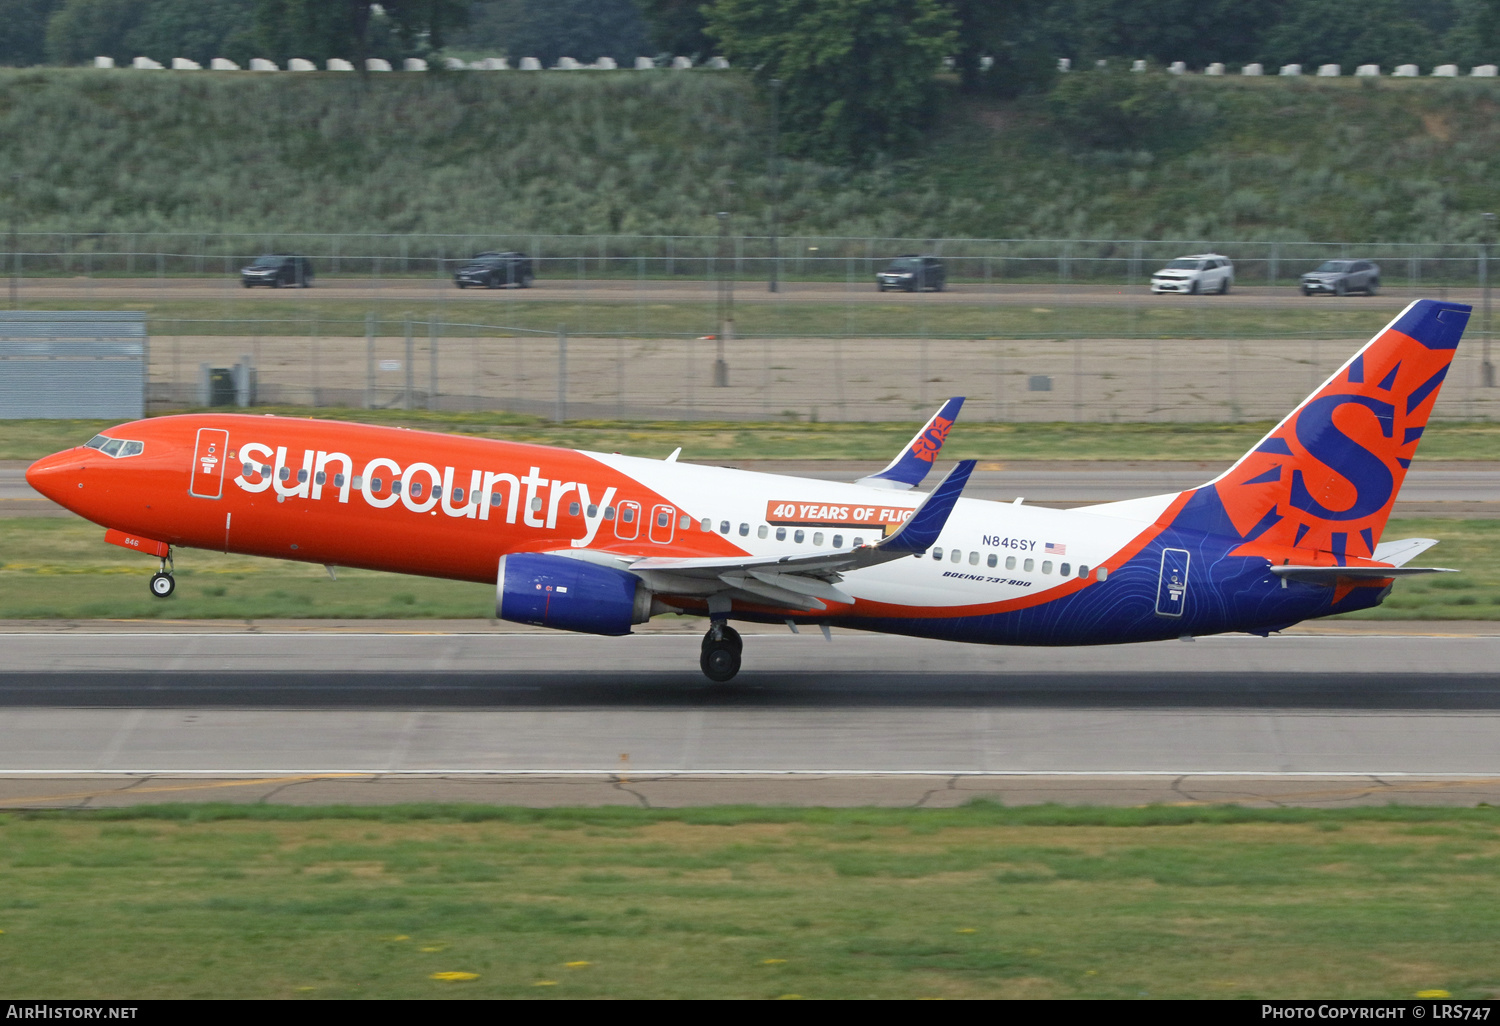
(118, 448)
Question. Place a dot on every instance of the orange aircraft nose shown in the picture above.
(59, 477)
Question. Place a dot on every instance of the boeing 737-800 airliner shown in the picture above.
(598, 542)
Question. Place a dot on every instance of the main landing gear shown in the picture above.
(721, 652)
(162, 582)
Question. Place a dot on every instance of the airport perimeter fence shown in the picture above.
(741, 257)
(410, 363)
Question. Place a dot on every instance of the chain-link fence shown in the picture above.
(428, 364)
(742, 257)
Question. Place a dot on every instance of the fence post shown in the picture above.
(410, 372)
(370, 359)
(432, 362)
(562, 373)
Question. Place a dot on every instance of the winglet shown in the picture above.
(913, 462)
(921, 530)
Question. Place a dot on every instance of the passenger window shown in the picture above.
(415, 490)
(723, 527)
(663, 519)
(338, 480)
(536, 504)
(301, 476)
(957, 555)
(1046, 566)
(685, 522)
(858, 542)
(937, 553)
(286, 474)
(818, 538)
(838, 541)
(760, 532)
(458, 496)
(320, 478)
(592, 511)
(1028, 565)
(744, 530)
(781, 534)
(1010, 562)
(992, 561)
(573, 508)
(249, 468)
(609, 512)
(495, 498)
(376, 484)
(973, 559)
(1083, 570)
(1065, 570)
(1101, 574)
(705, 525)
(798, 537)
(395, 486)
(627, 527)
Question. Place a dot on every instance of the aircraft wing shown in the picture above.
(1331, 574)
(802, 582)
(912, 463)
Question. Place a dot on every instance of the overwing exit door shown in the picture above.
(1171, 588)
(209, 456)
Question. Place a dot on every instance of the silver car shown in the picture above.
(1341, 277)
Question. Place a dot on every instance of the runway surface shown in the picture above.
(1470, 489)
(553, 288)
(547, 719)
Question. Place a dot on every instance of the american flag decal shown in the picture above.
(1054, 549)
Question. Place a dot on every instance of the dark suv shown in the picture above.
(277, 271)
(1340, 277)
(495, 270)
(912, 273)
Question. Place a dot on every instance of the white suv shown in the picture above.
(1203, 272)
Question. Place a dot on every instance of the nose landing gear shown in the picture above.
(162, 582)
(722, 646)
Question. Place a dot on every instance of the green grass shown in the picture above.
(499, 159)
(1169, 317)
(709, 441)
(980, 901)
(61, 568)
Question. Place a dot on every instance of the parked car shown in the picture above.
(1201, 272)
(278, 271)
(495, 270)
(913, 273)
(1340, 277)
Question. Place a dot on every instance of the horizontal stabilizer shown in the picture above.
(911, 465)
(1333, 574)
(1402, 551)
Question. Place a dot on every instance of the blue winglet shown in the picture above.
(911, 465)
(920, 532)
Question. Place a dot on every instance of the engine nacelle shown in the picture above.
(569, 594)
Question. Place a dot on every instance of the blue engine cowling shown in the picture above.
(569, 594)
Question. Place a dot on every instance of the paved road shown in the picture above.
(473, 704)
(1470, 489)
(567, 290)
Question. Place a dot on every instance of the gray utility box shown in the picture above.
(227, 386)
(73, 364)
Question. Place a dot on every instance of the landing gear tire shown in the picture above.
(722, 648)
(162, 584)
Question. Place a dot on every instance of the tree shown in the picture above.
(583, 29)
(858, 74)
(355, 29)
(1018, 36)
(676, 26)
(23, 30)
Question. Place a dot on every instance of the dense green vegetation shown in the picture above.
(656, 152)
(980, 901)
